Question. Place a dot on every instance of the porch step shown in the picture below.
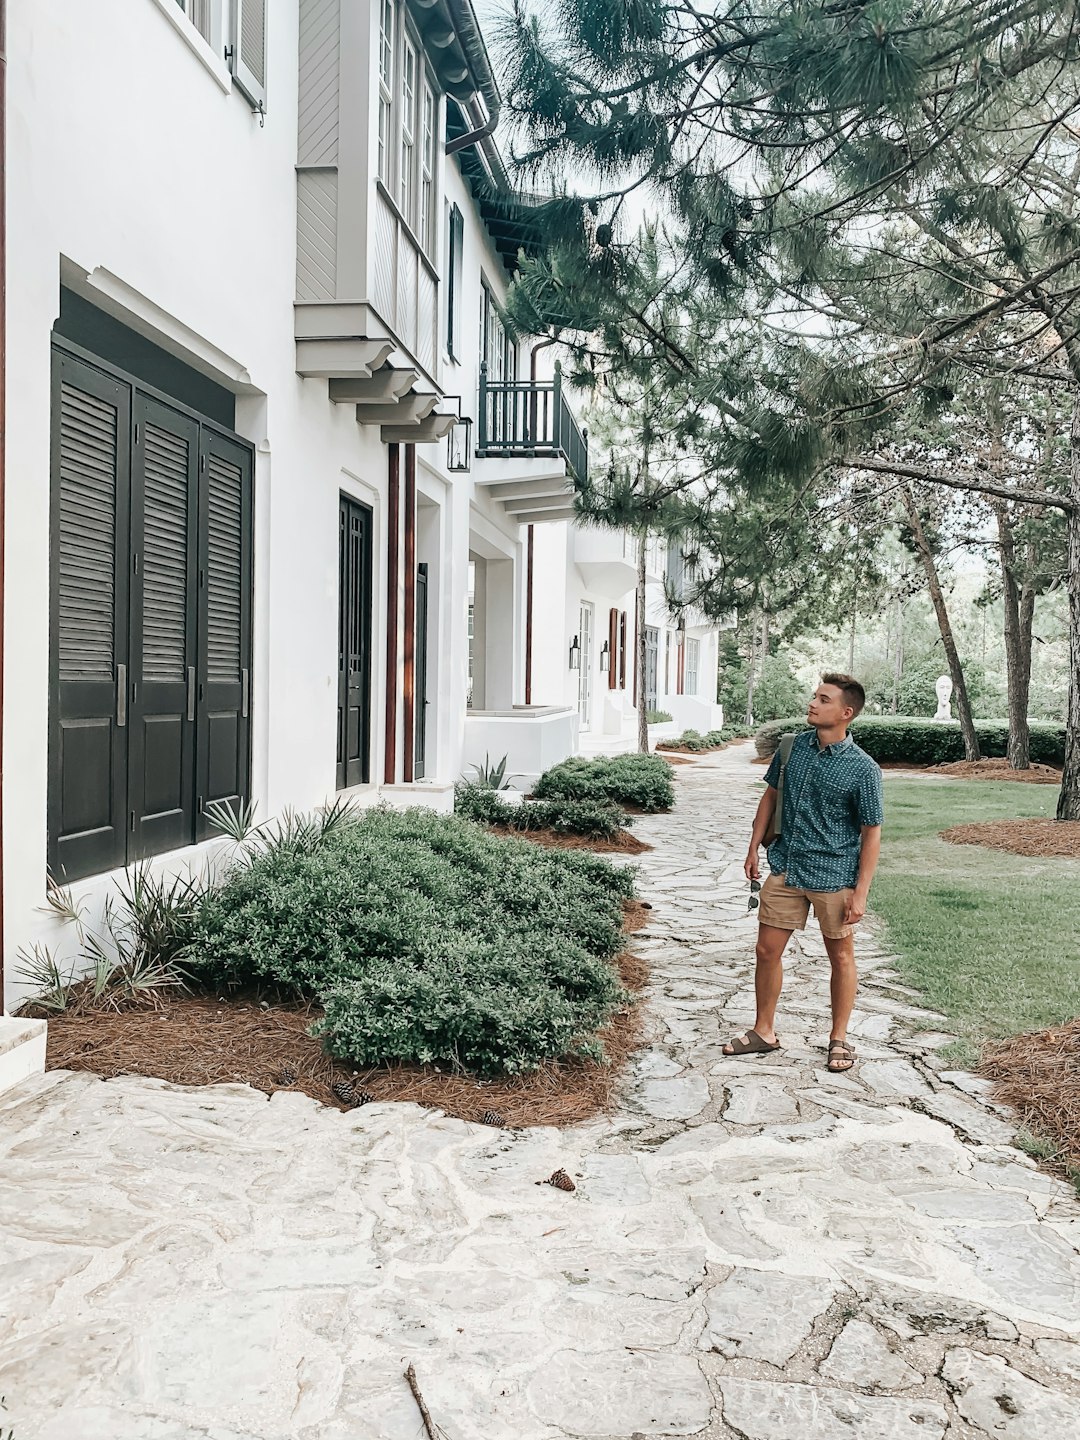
(22, 1049)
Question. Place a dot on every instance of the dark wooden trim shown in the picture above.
(530, 546)
(393, 503)
(623, 628)
(408, 739)
(613, 649)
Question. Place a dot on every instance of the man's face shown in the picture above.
(827, 708)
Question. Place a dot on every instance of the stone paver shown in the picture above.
(754, 1249)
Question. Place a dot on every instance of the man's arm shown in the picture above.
(764, 813)
(868, 858)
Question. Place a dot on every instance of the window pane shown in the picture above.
(198, 12)
(407, 177)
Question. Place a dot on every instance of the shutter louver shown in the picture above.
(224, 744)
(248, 54)
(223, 571)
(88, 603)
(87, 503)
(165, 546)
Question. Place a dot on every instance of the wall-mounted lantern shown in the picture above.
(605, 658)
(575, 654)
(459, 446)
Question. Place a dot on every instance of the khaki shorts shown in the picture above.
(786, 908)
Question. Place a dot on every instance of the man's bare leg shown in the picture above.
(843, 984)
(768, 981)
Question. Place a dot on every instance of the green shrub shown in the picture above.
(641, 780)
(426, 938)
(907, 741)
(657, 717)
(594, 819)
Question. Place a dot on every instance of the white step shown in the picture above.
(22, 1049)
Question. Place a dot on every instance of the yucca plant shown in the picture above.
(40, 968)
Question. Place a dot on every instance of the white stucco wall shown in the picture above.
(142, 177)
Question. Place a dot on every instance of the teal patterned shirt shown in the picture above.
(829, 795)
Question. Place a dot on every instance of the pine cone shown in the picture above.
(342, 1090)
(287, 1075)
(491, 1117)
(362, 1097)
(561, 1181)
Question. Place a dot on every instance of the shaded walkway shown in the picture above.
(755, 1248)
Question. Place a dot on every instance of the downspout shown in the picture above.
(467, 28)
(3, 437)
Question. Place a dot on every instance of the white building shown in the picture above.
(586, 653)
(256, 251)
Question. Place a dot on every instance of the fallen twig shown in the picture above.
(425, 1413)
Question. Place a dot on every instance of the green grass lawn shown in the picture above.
(992, 940)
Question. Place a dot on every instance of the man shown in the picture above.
(825, 856)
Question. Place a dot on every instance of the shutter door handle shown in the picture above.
(191, 693)
(121, 695)
(245, 692)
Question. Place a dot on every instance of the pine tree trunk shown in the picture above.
(748, 718)
(1019, 606)
(898, 669)
(1068, 807)
(933, 584)
(639, 642)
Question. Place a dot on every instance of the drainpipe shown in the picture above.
(3, 437)
(467, 28)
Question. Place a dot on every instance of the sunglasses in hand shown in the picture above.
(754, 902)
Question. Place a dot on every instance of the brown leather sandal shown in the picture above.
(841, 1057)
(750, 1043)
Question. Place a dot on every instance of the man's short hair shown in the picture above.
(854, 694)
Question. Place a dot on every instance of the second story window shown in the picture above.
(408, 127)
(200, 13)
(427, 167)
(496, 346)
(407, 168)
(386, 83)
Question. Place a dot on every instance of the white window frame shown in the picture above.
(408, 126)
(387, 56)
(209, 53)
(407, 179)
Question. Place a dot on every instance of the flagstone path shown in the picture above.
(754, 1248)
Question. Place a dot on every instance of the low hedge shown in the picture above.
(425, 938)
(908, 741)
(711, 740)
(640, 780)
(593, 819)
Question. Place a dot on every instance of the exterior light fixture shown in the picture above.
(575, 654)
(605, 658)
(459, 446)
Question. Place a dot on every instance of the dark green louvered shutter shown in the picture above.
(89, 681)
(161, 720)
(223, 756)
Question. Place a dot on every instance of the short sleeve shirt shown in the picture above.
(830, 793)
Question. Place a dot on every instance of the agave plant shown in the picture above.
(492, 777)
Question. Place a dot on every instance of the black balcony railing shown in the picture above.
(530, 417)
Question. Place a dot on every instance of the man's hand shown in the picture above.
(856, 907)
(751, 869)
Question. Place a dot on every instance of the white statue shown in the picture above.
(943, 686)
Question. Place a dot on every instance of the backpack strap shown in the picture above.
(786, 744)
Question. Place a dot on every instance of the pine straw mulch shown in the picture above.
(206, 1040)
(624, 843)
(1040, 838)
(1039, 1075)
(997, 770)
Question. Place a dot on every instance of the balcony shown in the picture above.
(606, 560)
(530, 418)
